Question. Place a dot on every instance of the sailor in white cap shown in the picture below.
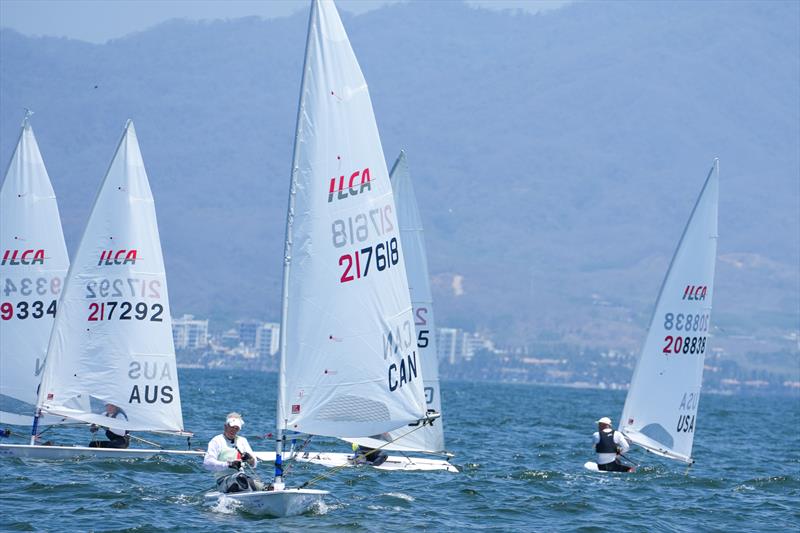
(609, 445)
(226, 454)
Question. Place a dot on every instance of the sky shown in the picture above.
(97, 21)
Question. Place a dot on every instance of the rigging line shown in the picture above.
(335, 469)
(245, 463)
(294, 453)
(151, 443)
(410, 460)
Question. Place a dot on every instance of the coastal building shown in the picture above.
(248, 330)
(267, 339)
(189, 333)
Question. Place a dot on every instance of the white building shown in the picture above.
(267, 339)
(188, 333)
(453, 344)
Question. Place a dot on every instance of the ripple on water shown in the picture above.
(526, 476)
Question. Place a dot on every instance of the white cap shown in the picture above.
(604, 420)
(234, 421)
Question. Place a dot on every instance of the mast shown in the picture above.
(67, 278)
(27, 155)
(287, 260)
(83, 376)
(649, 391)
(26, 123)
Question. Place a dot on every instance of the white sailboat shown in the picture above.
(33, 263)
(660, 412)
(428, 439)
(349, 364)
(111, 359)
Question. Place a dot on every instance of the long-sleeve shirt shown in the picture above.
(217, 446)
(619, 440)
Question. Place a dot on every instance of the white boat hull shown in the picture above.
(392, 463)
(592, 466)
(277, 503)
(72, 452)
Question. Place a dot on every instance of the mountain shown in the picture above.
(556, 156)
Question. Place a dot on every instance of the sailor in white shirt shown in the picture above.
(609, 444)
(226, 453)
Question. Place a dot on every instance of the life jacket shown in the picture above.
(229, 454)
(606, 444)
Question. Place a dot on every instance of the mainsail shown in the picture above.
(350, 364)
(111, 353)
(429, 438)
(33, 262)
(660, 410)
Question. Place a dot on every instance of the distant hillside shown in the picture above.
(557, 156)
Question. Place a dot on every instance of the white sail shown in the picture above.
(429, 438)
(112, 338)
(660, 410)
(33, 262)
(349, 365)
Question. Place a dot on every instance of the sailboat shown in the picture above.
(660, 412)
(111, 360)
(33, 263)
(349, 365)
(427, 439)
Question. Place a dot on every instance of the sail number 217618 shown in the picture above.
(360, 263)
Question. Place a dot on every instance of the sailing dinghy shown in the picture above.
(33, 263)
(111, 359)
(349, 364)
(660, 411)
(428, 439)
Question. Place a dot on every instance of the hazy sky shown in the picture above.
(99, 20)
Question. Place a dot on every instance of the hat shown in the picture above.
(604, 420)
(234, 421)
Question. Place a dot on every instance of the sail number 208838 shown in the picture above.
(688, 323)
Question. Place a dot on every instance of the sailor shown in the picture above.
(609, 445)
(226, 455)
(370, 456)
(117, 438)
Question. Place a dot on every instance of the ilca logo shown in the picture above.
(117, 257)
(695, 292)
(358, 183)
(23, 257)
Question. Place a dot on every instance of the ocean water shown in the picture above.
(520, 449)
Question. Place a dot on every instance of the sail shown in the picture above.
(111, 353)
(660, 411)
(429, 438)
(33, 262)
(349, 364)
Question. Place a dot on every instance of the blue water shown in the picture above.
(521, 450)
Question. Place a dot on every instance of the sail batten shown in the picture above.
(348, 361)
(111, 358)
(660, 411)
(33, 263)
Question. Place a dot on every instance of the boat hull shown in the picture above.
(276, 503)
(592, 467)
(392, 463)
(27, 451)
